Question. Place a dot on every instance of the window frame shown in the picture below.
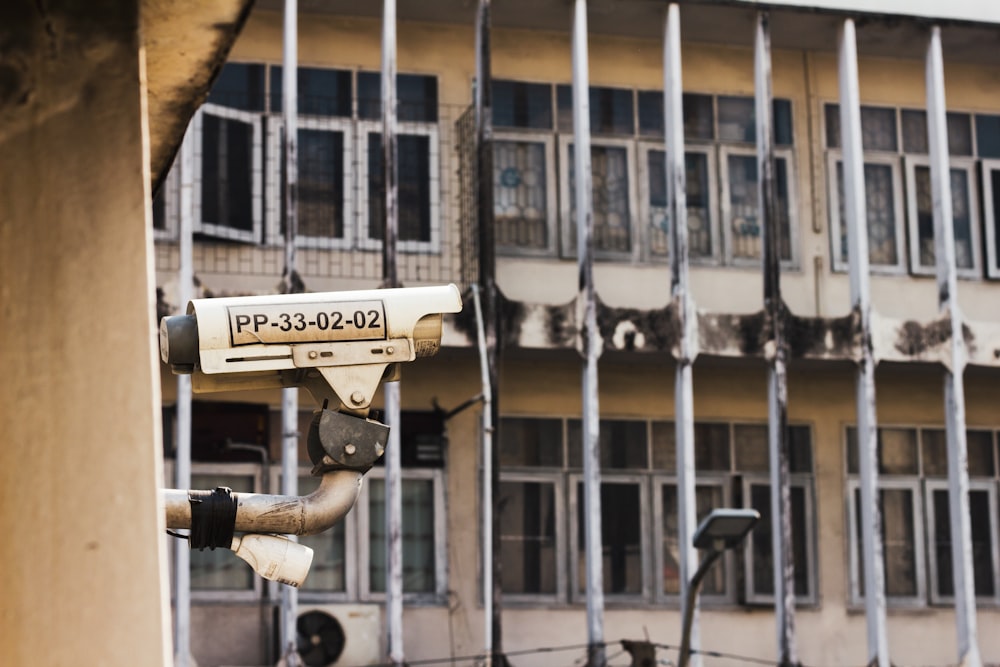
(981, 484)
(275, 131)
(574, 551)
(567, 198)
(644, 148)
(552, 188)
(410, 128)
(721, 481)
(966, 164)
(558, 481)
(835, 156)
(888, 482)
(254, 119)
(785, 153)
(364, 522)
(806, 482)
(254, 471)
(990, 217)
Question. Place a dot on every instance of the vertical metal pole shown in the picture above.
(182, 469)
(680, 289)
(491, 345)
(954, 391)
(390, 278)
(487, 494)
(590, 339)
(856, 216)
(290, 396)
(777, 384)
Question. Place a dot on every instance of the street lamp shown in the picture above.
(722, 529)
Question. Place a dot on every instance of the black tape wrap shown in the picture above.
(213, 518)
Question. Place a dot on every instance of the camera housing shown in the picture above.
(336, 344)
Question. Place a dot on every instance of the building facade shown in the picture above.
(236, 138)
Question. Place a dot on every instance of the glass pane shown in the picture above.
(994, 176)
(959, 133)
(782, 111)
(899, 542)
(418, 535)
(612, 229)
(699, 117)
(915, 138)
(519, 104)
(322, 92)
(878, 129)
(737, 119)
(898, 451)
(321, 181)
(621, 538)
(651, 113)
(220, 569)
(743, 208)
(329, 566)
(531, 442)
(622, 444)
(881, 209)
(711, 447)
(697, 196)
(610, 110)
(961, 217)
(979, 448)
(988, 136)
(982, 551)
(751, 446)
(239, 86)
(832, 117)
(416, 97)
(707, 498)
(414, 187)
(762, 548)
(528, 537)
(752, 449)
(520, 193)
(226, 177)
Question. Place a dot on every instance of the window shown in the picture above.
(887, 135)
(239, 166)
(542, 517)
(628, 164)
(913, 499)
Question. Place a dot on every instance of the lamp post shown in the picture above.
(721, 530)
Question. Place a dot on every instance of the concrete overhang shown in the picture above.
(186, 43)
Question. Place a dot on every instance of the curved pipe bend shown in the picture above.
(286, 515)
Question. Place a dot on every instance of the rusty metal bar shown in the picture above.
(856, 215)
(288, 595)
(589, 341)
(490, 344)
(390, 279)
(776, 352)
(954, 390)
(687, 347)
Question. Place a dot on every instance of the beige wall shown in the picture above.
(83, 539)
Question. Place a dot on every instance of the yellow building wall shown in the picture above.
(832, 632)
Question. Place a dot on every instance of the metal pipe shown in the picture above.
(487, 486)
(954, 391)
(285, 515)
(680, 289)
(182, 457)
(777, 385)
(390, 278)
(856, 214)
(290, 395)
(589, 337)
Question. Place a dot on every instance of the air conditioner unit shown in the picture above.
(339, 635)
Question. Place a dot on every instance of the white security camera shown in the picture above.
(339, 341)
(274, 557)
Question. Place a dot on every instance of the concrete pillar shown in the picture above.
(83, 542)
